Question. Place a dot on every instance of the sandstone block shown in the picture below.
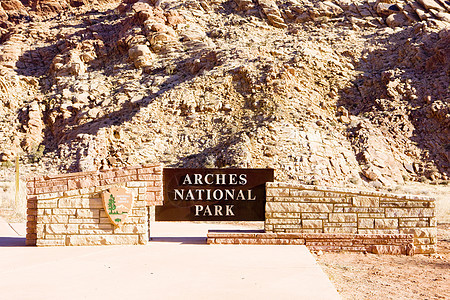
(73, 203)
(136, 184)
(311, 224)
(61, 228)
(286, 215)
(420, 232)
(283, 221)
(131, 229)
(83, 221)
(44, 243)
(365, 201)
(47, 203)
(425, 249)
(88, 213)
(410, 212)
(386, 223)
(95, 203)
(414, 222)
(298, 207)
(342, 217)
(314, 216)
(388, 249)
(366, 223)
(340, 230)
(64, 211)
(378, 231)
(59, 219)
(277, 192)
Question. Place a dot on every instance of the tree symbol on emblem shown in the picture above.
(112, 205)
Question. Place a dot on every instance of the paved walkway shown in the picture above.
(175, 265)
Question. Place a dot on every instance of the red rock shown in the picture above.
(174, 18)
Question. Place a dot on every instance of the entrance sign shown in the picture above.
(214, 194)
(117, 203)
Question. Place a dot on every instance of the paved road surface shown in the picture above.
(175, 265)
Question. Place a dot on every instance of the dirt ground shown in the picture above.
(370, 276)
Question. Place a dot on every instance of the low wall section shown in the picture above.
(361, 215)
(67, 210)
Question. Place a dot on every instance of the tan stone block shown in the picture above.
(136, 184)
(143, 238)
(433, 222)
(422, 241)
(365, 223)
(86, 240)
(59, 219)
(88, 213)
(420, 232)
(55, 237)
(410, 212)
(371, 215)
(83, 221)
(378, 231)
(142, 197)
(388, 249)
(286, 226)
(142, 190)
(95, 203)
(48, 243)
(267, 228)
(303, 193)
(413, 222)
(276, 192)
(283, 221)
(138, 212)
(298, 207)
(47, 203)
(104, 220)
(64, 211)
(48, 196)
(72, 193)
(340, 230)
(61, 228)
(365, 201)
(386, 223)
(136, 220)
(72, 203)
(311, 223)
(96, 231)
(97, 226)
(314, 216)
(286, 215)
(425, 249)
(342, 217)
(134, 229)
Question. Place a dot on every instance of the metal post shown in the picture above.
(17, 182)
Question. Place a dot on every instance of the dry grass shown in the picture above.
(9, 209)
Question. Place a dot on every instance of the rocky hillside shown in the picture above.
(326, 92)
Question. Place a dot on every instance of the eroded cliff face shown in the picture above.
(326, 92)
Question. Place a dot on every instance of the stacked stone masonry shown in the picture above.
(67, 210)
(295, 208)
(373, 243)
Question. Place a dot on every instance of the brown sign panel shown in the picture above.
(214, 194)
(117, 203)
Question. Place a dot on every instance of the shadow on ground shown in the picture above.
(182, 240)
(12, 241)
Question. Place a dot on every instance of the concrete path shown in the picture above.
(178, 266)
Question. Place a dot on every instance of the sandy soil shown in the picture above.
(370, 276)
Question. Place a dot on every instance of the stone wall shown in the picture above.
(67, 210)
(295, 208)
